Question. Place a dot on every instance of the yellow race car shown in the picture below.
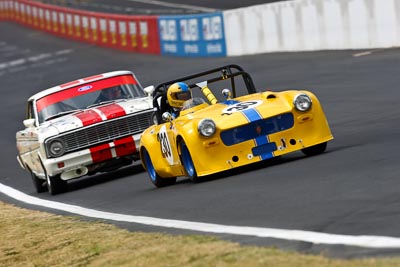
(217, 129)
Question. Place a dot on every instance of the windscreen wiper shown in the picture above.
(60, 114)
(106, 102)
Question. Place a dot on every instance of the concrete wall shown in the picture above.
(307, 25)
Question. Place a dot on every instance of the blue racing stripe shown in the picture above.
(252, 115)
(230, 102)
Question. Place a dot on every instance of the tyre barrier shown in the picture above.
(131, 33)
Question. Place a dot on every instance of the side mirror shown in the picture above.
(29, 123)
(166, 116)
(149, 90)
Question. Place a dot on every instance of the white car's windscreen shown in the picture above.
(64, 102)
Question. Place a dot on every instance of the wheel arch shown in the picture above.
(179, 139)
(141, 154)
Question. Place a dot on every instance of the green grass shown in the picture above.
(33, 238)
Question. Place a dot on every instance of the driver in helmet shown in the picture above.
(177, 94)
(108, 94)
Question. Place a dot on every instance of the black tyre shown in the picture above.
(55, 185)
(315, 150)
(156, 179)
(187, 163)
(39, 184)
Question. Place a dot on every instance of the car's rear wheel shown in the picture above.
(187, 162)
(315, 150)
(40, 184)
(156, 179)
(55, 184)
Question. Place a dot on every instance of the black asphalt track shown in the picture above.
(352, 189)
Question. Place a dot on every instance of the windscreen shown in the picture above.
(87, 95)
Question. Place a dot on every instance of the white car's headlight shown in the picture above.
(302, 102)
(56, 148)
(206, 127)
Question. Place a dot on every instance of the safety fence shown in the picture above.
(300, 25)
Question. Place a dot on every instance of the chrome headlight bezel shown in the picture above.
(55, 148)
(302, 102)
(206, 127)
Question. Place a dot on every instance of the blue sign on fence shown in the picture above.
(197, 35)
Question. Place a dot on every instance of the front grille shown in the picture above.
(257, 128)
(106, 131)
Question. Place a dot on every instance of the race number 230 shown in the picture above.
(165, 145)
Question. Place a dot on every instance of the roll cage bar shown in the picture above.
(218, 74)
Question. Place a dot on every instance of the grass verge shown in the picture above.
(33, 238)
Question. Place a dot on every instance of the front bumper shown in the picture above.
(77, 163)
(308, 130)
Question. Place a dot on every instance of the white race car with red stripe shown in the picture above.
(82, 127)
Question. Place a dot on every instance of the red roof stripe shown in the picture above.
(69, 84)
(93, 77)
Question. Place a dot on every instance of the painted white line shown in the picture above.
(33, 59)
(292, 235)
(162, 3)
(39, 57)
(63, 52)
(17, 62)
(362, 54)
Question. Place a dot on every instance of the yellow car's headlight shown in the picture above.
(302, 102)
(206, 127)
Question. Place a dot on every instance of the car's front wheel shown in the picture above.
(40, 184)
(55, 184)
(187, 162)
(315, 150)
(154, 177)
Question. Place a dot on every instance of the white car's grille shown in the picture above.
(104, 132)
